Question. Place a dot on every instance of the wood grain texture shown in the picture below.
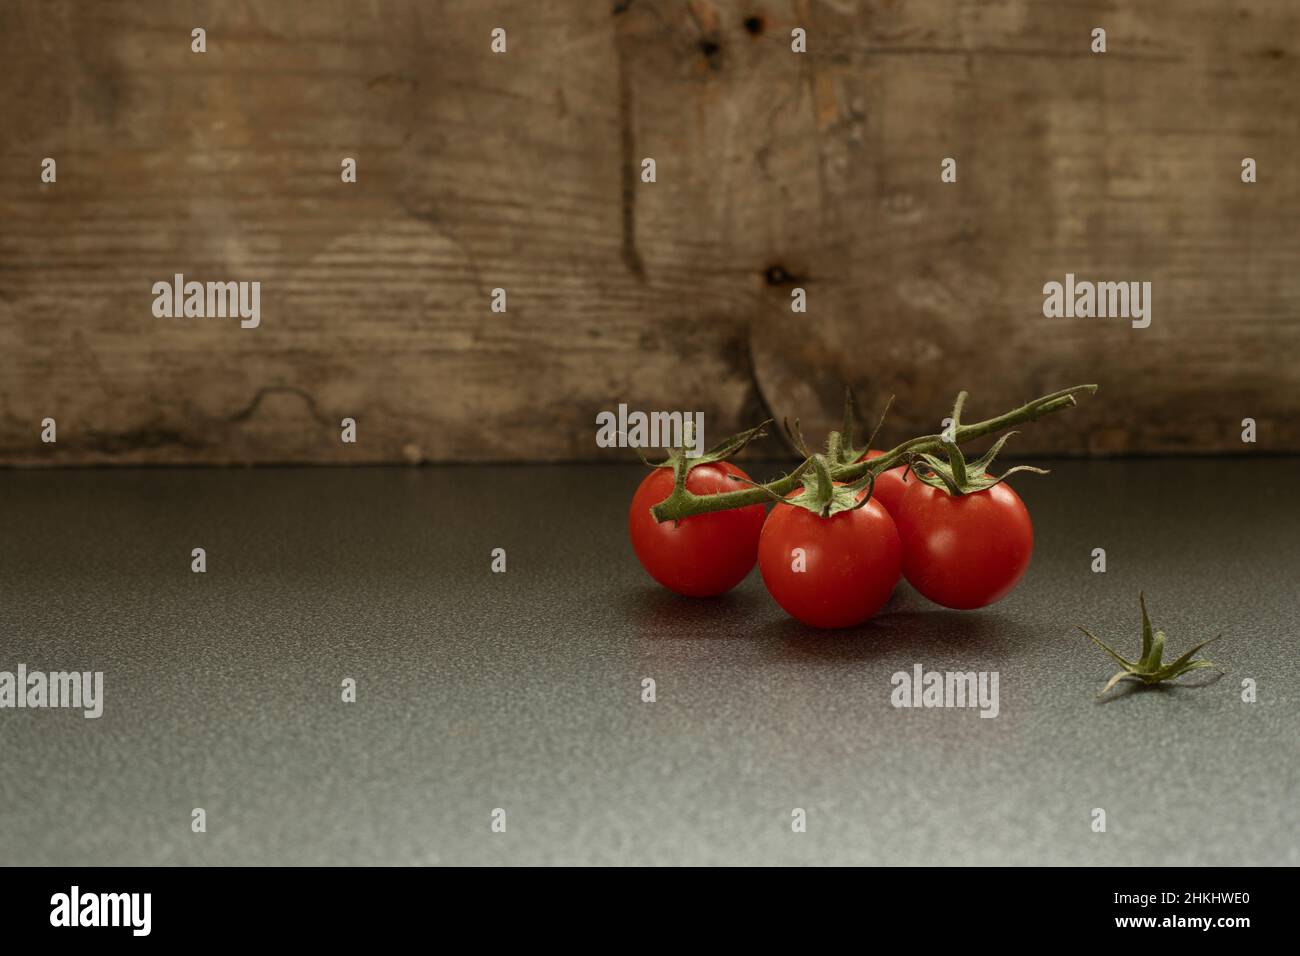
(521, 171)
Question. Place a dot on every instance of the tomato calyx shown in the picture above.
(677, 457)
(821, 494)
(956, 475)
(682, 463)
(839, 445)
(1148, 668)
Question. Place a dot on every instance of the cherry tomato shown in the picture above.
(890, 485)
(964, 552)
(703, 555)
(845, 571)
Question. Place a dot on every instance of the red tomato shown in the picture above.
(850, 563)
(964, 552)
(890, 485)
(704, 555)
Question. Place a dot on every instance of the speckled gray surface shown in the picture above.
(521, 691)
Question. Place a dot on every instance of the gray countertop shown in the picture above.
(522, 690)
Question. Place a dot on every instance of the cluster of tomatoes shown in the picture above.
(958, 550)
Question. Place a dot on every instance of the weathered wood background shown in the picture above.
(521, 171)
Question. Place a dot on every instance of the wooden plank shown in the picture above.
(520, 171)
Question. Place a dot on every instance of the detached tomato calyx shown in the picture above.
(957, 476)
(1148, 668)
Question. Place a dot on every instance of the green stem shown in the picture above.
(683, 504)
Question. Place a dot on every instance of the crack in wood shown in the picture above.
(247, 412)
(627, 138)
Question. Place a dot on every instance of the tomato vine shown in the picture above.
(842, 458)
